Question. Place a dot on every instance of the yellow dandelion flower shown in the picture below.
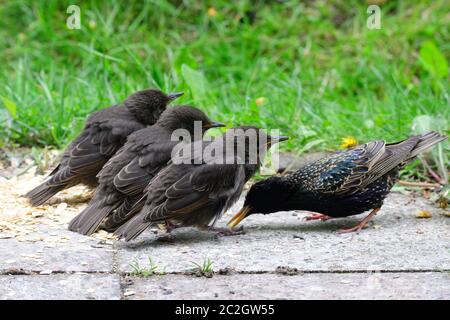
(348, 142)
(212, 12)
(260, 101)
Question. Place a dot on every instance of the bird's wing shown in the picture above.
(91, 147)
(343, 170)
(154, 195)
(132, 179)
(136, 175)
(346, 172)
(399, 153)
(179, 190)
(82, 157)
(106, 134)
(153, 155)
(206, 183)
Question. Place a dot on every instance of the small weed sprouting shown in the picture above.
(205, 269)
(145, 271)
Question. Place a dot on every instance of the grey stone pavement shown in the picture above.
(280, 256)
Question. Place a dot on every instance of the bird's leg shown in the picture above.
(170, 226)
(224, 232)
(362, 224)
(318, 216)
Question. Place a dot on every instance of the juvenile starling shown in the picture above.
(346, 183)
(104, 133)
(125, 176)
(197, 194)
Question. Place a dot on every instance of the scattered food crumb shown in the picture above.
(446, 213)
(129, 293)
(30, 256)
(18, 219)
(424, 214)
(46, 272)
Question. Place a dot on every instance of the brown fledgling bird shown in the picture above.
(105, 132)
(345, 183)
(125, 176)
(190, 194)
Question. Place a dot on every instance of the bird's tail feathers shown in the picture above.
(127, 210)
(132, 229)
(88, 221)
(426, 141)
(42, 193)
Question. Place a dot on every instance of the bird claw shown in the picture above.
(356, 228)
(170, 226)
(318, 216)
(360, 225)
(225, 232)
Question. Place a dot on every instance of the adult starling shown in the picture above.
(104, 133)
(125, 176)
(197, 194)
(343, 184)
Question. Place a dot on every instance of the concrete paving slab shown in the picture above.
(60, 287)
(433, 285)
(37, 239)
(395, 240)
(59, 250)
(281, 255)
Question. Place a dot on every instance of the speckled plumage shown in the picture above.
(343, 184)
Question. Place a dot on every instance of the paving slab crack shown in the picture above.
(122, 276)
(18, 271)
(14, 271)
(289, 273)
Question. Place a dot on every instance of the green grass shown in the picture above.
(324, 75)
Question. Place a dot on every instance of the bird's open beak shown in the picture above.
(214, 124)
(273, 140)
(173, 96)
(238, 217)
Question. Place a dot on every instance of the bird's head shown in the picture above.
(248, 145)
(251, 139)
(148, 105)
(264, 197)
(186, 117)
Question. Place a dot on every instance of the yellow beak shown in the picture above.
(238, 217)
